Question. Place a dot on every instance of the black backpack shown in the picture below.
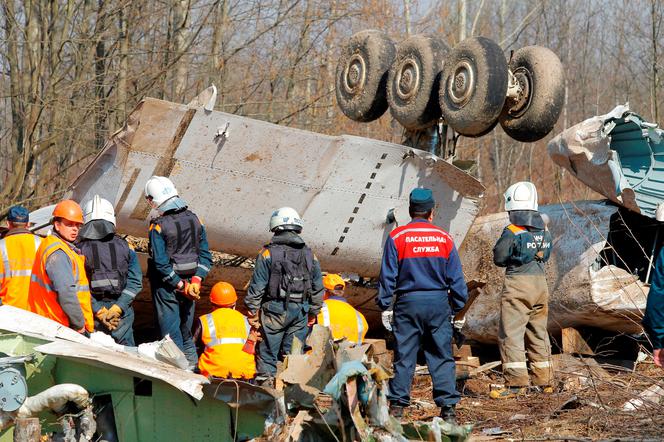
(290, 272)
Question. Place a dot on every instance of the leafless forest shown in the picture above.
(73, 69)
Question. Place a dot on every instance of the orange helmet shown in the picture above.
(69, 210)
(223, 294)
(332, 280)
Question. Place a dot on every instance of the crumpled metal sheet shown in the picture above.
(68, 343)
(234, 171)
(618, 155)
(190, 383)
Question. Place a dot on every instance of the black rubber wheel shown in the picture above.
(413, 81)
(473, 86)
(532, 115)
(362, 75)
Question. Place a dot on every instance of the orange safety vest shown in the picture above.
(43, 300)
(225, 331)
(17, 255)
(343, 320)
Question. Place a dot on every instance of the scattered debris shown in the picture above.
(648, 397)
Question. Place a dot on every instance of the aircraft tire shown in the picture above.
(535, 112)
(413, 80)
(473, 86)
(361, 75)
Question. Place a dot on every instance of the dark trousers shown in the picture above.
(281, 323)
(423, 319)
(124, 333)
(175, 315)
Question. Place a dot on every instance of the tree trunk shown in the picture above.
(180, 23)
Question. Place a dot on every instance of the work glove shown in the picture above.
(183, 289)
(387, 317)
(113, 317)
(194, 288)
(253, 320)
(311, 320)
(458, 323)
(102, 316)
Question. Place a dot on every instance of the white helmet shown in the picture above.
(521, 196)
(98, 208)
(285, 218)
(160, 189)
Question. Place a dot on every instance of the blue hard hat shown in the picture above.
(18, 214)
(421, 200)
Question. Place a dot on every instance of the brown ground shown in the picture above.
(595, 414)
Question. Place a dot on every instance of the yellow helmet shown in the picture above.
(332, 280)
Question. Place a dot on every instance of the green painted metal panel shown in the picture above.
(159, 413)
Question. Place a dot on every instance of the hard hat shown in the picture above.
(285, 218)
(223, 294)
(160, 189)
(521, 196)
(69, 210)
(332, 280)
(99, 208)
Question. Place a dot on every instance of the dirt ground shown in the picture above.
(588, 410)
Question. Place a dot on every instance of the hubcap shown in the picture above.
(407, 78)
(355, 74)
(521, 102)
(461, 85)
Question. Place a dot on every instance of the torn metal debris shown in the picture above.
(619, 155)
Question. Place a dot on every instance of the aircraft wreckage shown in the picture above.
(352, 191)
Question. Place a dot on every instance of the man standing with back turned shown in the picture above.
(285, 293)
(17, 250)
(421, 269)
(523, 248)
(179, 261)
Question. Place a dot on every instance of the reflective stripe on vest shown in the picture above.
(17, 256)
(326, 315)
(42, 298)
(104, 283)
(360, 327)
(215, 340)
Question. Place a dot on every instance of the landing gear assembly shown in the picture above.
(470, 88)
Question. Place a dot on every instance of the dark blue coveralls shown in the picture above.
(175, 312)
(653, 319)
(281, 320)
(422, 269)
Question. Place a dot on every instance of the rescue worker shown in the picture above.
(17, 253)
(653, 318)
(179, 261)
(113, 271)
(224, 332)
(59, 287)
(523, 248)
(287, 288)
(421, 270)
(337, 314)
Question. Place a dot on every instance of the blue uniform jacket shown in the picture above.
(653, 319)
(162, 261)
(517, 247)
(421, 257)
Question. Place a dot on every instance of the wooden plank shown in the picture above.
(573, 342)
